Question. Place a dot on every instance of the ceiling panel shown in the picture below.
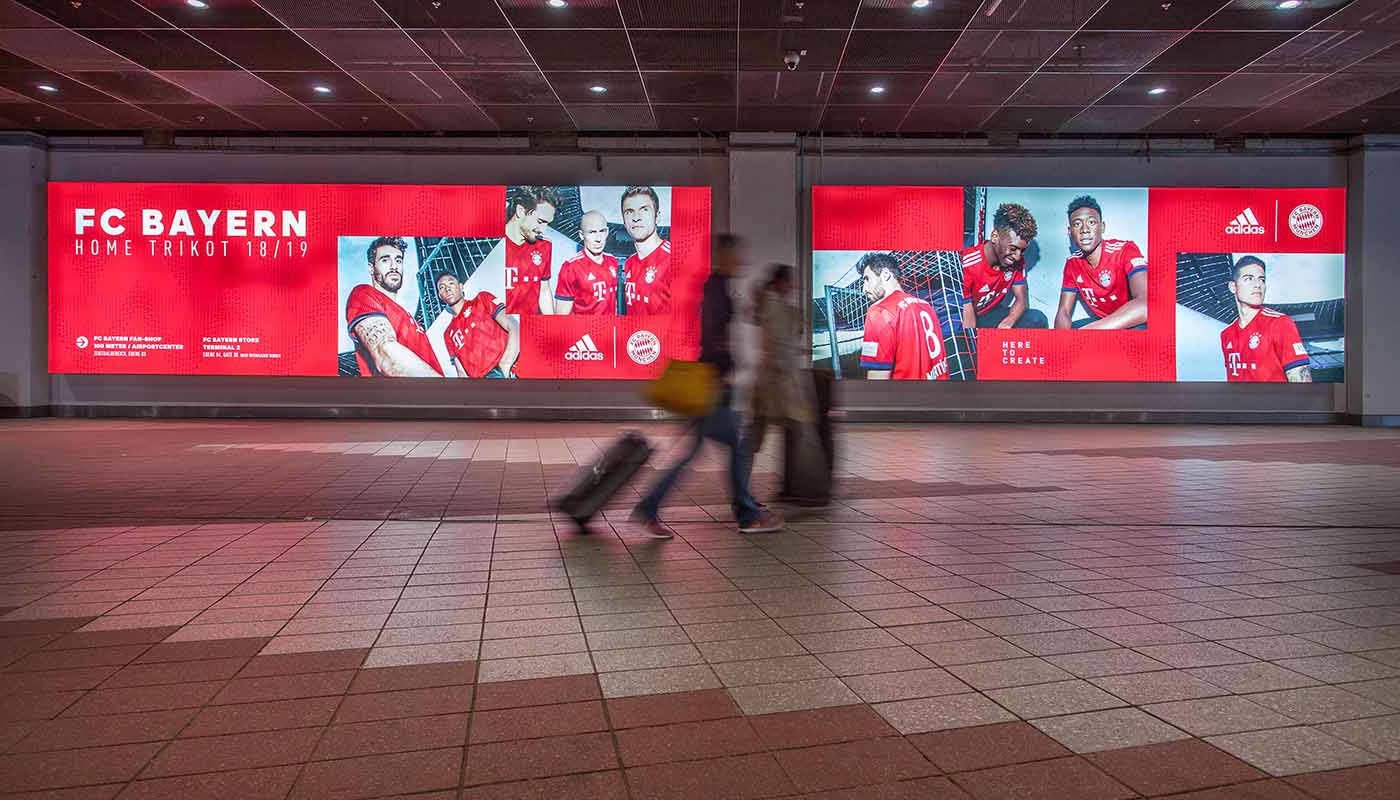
(953, 66)
(41, 117)
(162, 49)
(907, 50)
(699, 88)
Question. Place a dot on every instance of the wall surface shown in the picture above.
(24, 379)
(1373, 369)
(760, 189)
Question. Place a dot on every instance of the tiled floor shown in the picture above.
(373, 609)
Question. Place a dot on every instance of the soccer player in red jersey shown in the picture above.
(903, 340)
(1108, 275)
(588, 279)
(388, 340)
(1262, 344)
(482, 340)
(528, 253)
(993, 270)
(648, 273)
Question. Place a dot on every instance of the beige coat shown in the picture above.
(781, 389)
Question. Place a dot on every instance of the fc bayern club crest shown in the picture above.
(536, 258)
(1254, 341)
(651, 275)
(1006, 274)
(1105, 278)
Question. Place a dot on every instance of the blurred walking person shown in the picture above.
(723, 424)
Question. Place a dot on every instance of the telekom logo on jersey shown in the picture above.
(231, 223)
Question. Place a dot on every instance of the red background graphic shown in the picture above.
(1179, 220)
(290, 302)
(887, 217)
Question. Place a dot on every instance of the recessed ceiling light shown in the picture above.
(558, 3)
(599, 89)
(920, 3)
(877, 90)
(321, 89)
(1157, 90)
(1289, 5)
(47, 87)
(199, 4)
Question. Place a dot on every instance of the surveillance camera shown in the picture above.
(791, 59)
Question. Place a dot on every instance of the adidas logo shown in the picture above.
(1245, 223)
(584, 350)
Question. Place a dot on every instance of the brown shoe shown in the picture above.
(765, 522)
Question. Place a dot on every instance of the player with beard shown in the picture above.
(903, 340)
(1108, 275)
(588, 279)
(1261, 344)
(482, 340)
(994, 269)
(388, 340)
(647, 275)
(528, 253)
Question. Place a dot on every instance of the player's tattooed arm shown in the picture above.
(512, 352)
(969, 315)
(1020, 301)
(389, 356)
(1064, 315)
(1302, 374)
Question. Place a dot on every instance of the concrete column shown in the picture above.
(1373, 280)
(24, 375)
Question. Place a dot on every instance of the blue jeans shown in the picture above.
(723, 425)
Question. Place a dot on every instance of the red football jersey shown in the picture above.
(1104, 289)
(592, 286)
(474, 338)
(1264, 349)
(984, 283)
(649, 281)
(902, 335)
(366, 301)
(527, 265)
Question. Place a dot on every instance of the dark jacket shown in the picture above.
(716, 314)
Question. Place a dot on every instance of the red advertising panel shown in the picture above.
(362, 280)
(1095, 284)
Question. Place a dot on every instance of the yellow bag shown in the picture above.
(688, 388)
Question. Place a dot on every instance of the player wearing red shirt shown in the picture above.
(388, 340)
(1262, 344)
(588, 279)
(482, 340)
(648, 273)
(902, 339)
(995, 268)
(1108, 275)
(529, 254)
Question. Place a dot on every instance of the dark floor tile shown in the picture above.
(686, 741)
(739, 778)
(271, 783)
(1056, 779)
(71, 659)
(203, 651)
(35, 705)
(377, 776)
(80, 639)
(144, 698)
(284, 687)
(234, 751)
(592, 785)
(269, 716)
(392, 736)
(664, 709)
(1174, 767)
(965, 749)
(72, 732)
(220, 669)
(921, 789)
(406, 703)
(1373, 782)
(1256, 790)
(299, 663)
(533, 722)
(27, 772)
(413, 676)
(58, 680)
(820, 726)
(862, 763)
(540, 758)
(537, 692)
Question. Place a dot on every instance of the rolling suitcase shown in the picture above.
(596, 485)
(809, 450)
